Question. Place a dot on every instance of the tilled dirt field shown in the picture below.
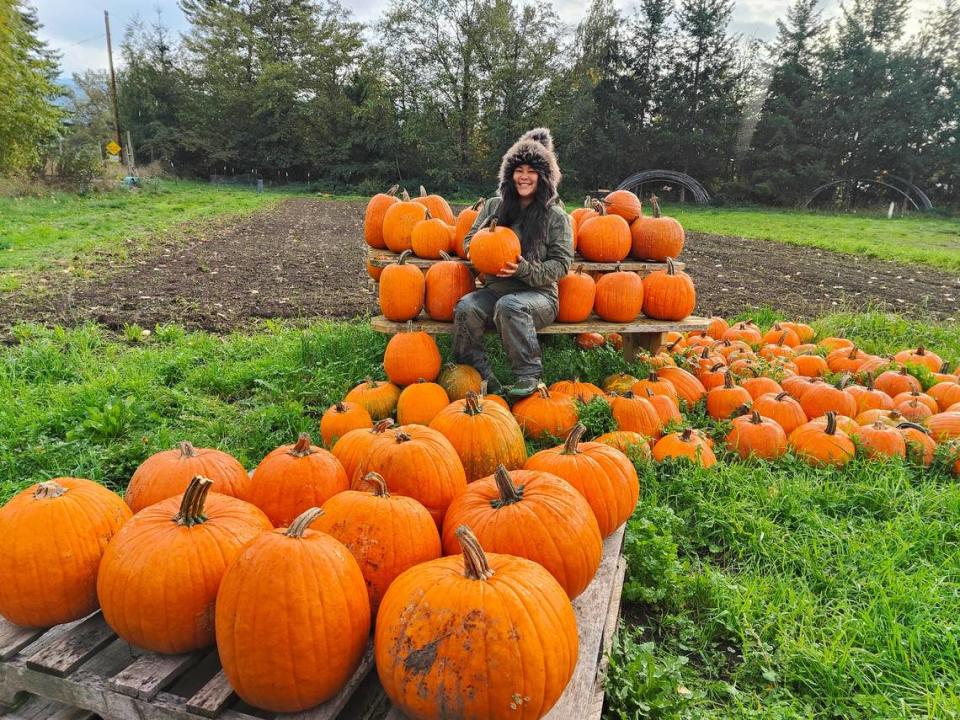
(304, 259)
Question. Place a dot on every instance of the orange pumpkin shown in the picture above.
(290, 592)
(881, 440)
(914, 410)
(168, 473)
(293, 479)
(483, 434)
(822, 397)
(604, 238)
(604, 476)
(754, 435)
(386, 534)
(458, 380)
(545, 413)
(590, 340)
(464, 224)
(746, 332)
(921, 356)
(444, 284)
(430, 237)
(658, 237)
(782, 409)
(668, 294)
(492, 247)
(53, 535)
(655, 385)
(623, 203)
(723, 401)
(373, 217)
(636, 414)
(781, 335)
(402, 289)
(894, 382)
(420, 402)
(822, 443)
(627, 442)
(533, 515)
(160, 566)
(398, 221)
(411, 356)
(486, 601)
(619, 296)
(578, 292)
(582, 391)
(378, 397)
(811, 365)
(945, 393)
(342, 417)
(436, 206)
(945, 426)
(667, 409)
(686, 444)
(353, 449)
(689, 389)
(921, 448)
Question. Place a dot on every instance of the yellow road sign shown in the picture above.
(113, 148)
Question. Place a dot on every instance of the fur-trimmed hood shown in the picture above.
(534, 148)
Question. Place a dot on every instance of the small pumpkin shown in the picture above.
(402, 289)
(386, 534)
(822, 397)
(445, 283)
(492, 247)
(53, 535)
(881, 440)
(378, 397)
(623, 203)
(782, 409)
(577, 292)
(627, 442)
(946, 394)
(945, 426)
(420, 402)
(921, 448)
(342, 417)
(290, 592)
(533, 515)
(921, 356)
(822, 443)
(636, 414)
(811, 365)
(458, 380)
(169, 472)
(398, 221)
(411, 355)
(668, 294)
(618, 383)
(373, 217)
(686, 444)
(430, 237)
(724, 400)
(436, 206)
(293, 479)
(655, 385)
(486, 602)
(590, 340)
(619, 297)
(754, 435)
(545, 413)
(166, 564)
(894, 382)
(582, 391)
(656, 237)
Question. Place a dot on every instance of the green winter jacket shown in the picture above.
(556, 254)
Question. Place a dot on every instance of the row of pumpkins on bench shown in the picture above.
(607, 230)
(619, 296)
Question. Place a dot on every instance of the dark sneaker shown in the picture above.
(493, 385)
(524, 387)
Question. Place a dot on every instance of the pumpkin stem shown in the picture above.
(475, 565)
(599, 207)
(728, 382)
(493, 224)
(423, 191)
(573, 439)
(655, 204)
(686, 434)
(403, 256)
(831, 423)
(302, 447)
(191, 506)
(49, 489)
(921, 350)
(405, 196)
(392, 191)
(755, 418)
(379, 484)
(304, 520)
(671, 268)
(444, 255)
(781, 396)
(509, 494)
(402, 437)
(472, 400)
(544, 392)
(427, 215)
(845, 380)
(478, 204)
(187, 450)
(914, 426)
(853, 353)
(340, 407)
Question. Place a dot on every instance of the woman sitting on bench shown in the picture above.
(522, 297)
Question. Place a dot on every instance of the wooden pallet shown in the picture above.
(382, 258)
(82, 670)
(641, 333)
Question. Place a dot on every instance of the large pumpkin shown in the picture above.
(921, 356)
(420, 402)
(755, 436)
(463, 225)
(419, 462)
(159, 577)
(604, 238)
(623, 203)
(492, 247)
(410, 356)
(534, 515)
(545, 413)
(577, 291)
(386, 533)
(668, 294)
(619, 296)
(444, 284)
(436, 206)
(373, 217)
(293, 479)
(398, 222)
(292, 618)
(378, 397)
(880, 440)
(167, 473)
(402, 289)
(658, 237)
(483, 434)
(822, 443)
(342, 417)
(603, 475)
(52, 537)
(430, 237)
(687, 444)
(484, 636)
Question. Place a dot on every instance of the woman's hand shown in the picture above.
(510, 269)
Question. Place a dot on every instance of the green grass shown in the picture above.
(753, 590)
(926, 239)
(37, 233)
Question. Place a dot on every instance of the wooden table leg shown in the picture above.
(651, 341)
(634, 342)
(630, 345)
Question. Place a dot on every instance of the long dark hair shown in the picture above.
(533, 221)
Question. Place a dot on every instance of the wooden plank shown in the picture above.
(37, 708)
(73, 649)
(382, 258)
(641, 326)
(212, 697)
(330, 710)
(14, 638)
(609, 630)
(150, 673)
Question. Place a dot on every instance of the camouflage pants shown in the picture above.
(516, 316)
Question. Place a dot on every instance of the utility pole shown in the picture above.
(113, 85)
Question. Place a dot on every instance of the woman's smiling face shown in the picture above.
(525, 180)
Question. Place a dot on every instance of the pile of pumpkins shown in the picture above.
(604, 231)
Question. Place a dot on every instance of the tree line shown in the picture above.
(434, 92)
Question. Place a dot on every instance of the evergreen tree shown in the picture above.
(29, 119)
(784, 161)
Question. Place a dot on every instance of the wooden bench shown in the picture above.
(82, 670)
(382, 258)
(640, 334)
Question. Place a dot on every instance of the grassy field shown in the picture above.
(36, 233)
(754, 590)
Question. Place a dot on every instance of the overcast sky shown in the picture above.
(76, 28)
